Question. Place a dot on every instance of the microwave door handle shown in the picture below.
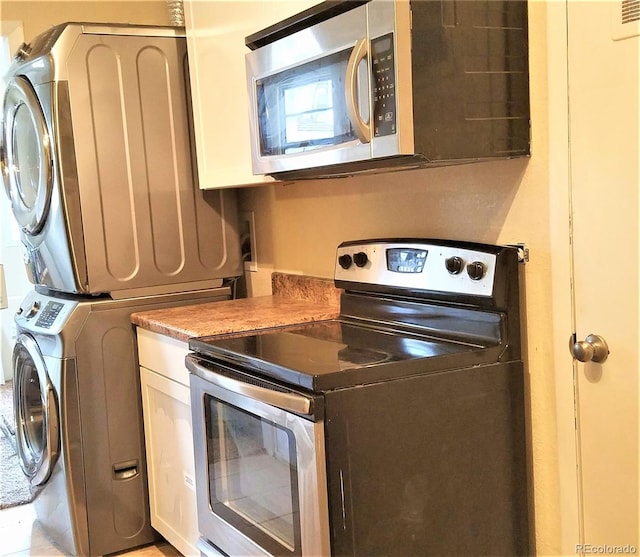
(290, 402)
(360, 127)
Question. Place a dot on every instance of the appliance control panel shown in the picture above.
(384, 86)
(41, 313)
(418, 266)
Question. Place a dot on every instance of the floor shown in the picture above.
(22, 536)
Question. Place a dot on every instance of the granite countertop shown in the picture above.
(295, 299)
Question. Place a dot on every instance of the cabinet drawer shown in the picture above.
(164, 355)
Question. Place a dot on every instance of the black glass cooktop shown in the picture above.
(333, 354)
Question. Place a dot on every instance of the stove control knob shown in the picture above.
(345, 261)
(360, 259)
(476, 270)
(454, 264)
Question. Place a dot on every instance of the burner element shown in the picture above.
(351, 357)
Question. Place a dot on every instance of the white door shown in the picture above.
(604, 123)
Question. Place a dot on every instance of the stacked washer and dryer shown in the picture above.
(97, 162)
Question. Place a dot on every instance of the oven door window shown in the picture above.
(253, 476)
(304, 108)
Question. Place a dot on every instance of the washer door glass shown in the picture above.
(27, 163)
(36, 409)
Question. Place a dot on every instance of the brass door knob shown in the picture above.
(592, 349)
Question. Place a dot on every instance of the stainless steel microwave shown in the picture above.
(358, 85)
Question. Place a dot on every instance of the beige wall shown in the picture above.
(39, 16)
(299, 226)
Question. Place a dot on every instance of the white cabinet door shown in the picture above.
(170, 463)
(215, 42)
(166, 408)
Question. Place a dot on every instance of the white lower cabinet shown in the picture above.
(168, 438)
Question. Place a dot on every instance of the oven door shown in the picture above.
(259, 463)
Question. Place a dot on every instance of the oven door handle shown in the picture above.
(291, 402)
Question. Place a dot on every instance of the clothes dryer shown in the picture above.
(97, 161)
(79, 419)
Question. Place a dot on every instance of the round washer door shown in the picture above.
(36, 410)
(27, 157)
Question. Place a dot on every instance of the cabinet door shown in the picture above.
(215, 42)
(170, 462)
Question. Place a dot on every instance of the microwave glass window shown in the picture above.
(309, 114)
(304, 108)
(253, 475)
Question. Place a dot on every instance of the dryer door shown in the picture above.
(36, 410)
(27, 157)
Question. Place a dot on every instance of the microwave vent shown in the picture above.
(625, 19)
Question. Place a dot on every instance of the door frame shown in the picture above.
(568, 504)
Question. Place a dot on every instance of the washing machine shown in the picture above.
(79, 426)
(97, 160)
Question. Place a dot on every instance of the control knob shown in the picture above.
(33, 310)
(360, 259)
(454, 264)
(345, 261)
(476, 270)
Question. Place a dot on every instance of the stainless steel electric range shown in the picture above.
(396, 429)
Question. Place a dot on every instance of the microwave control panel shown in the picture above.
(384, 85)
